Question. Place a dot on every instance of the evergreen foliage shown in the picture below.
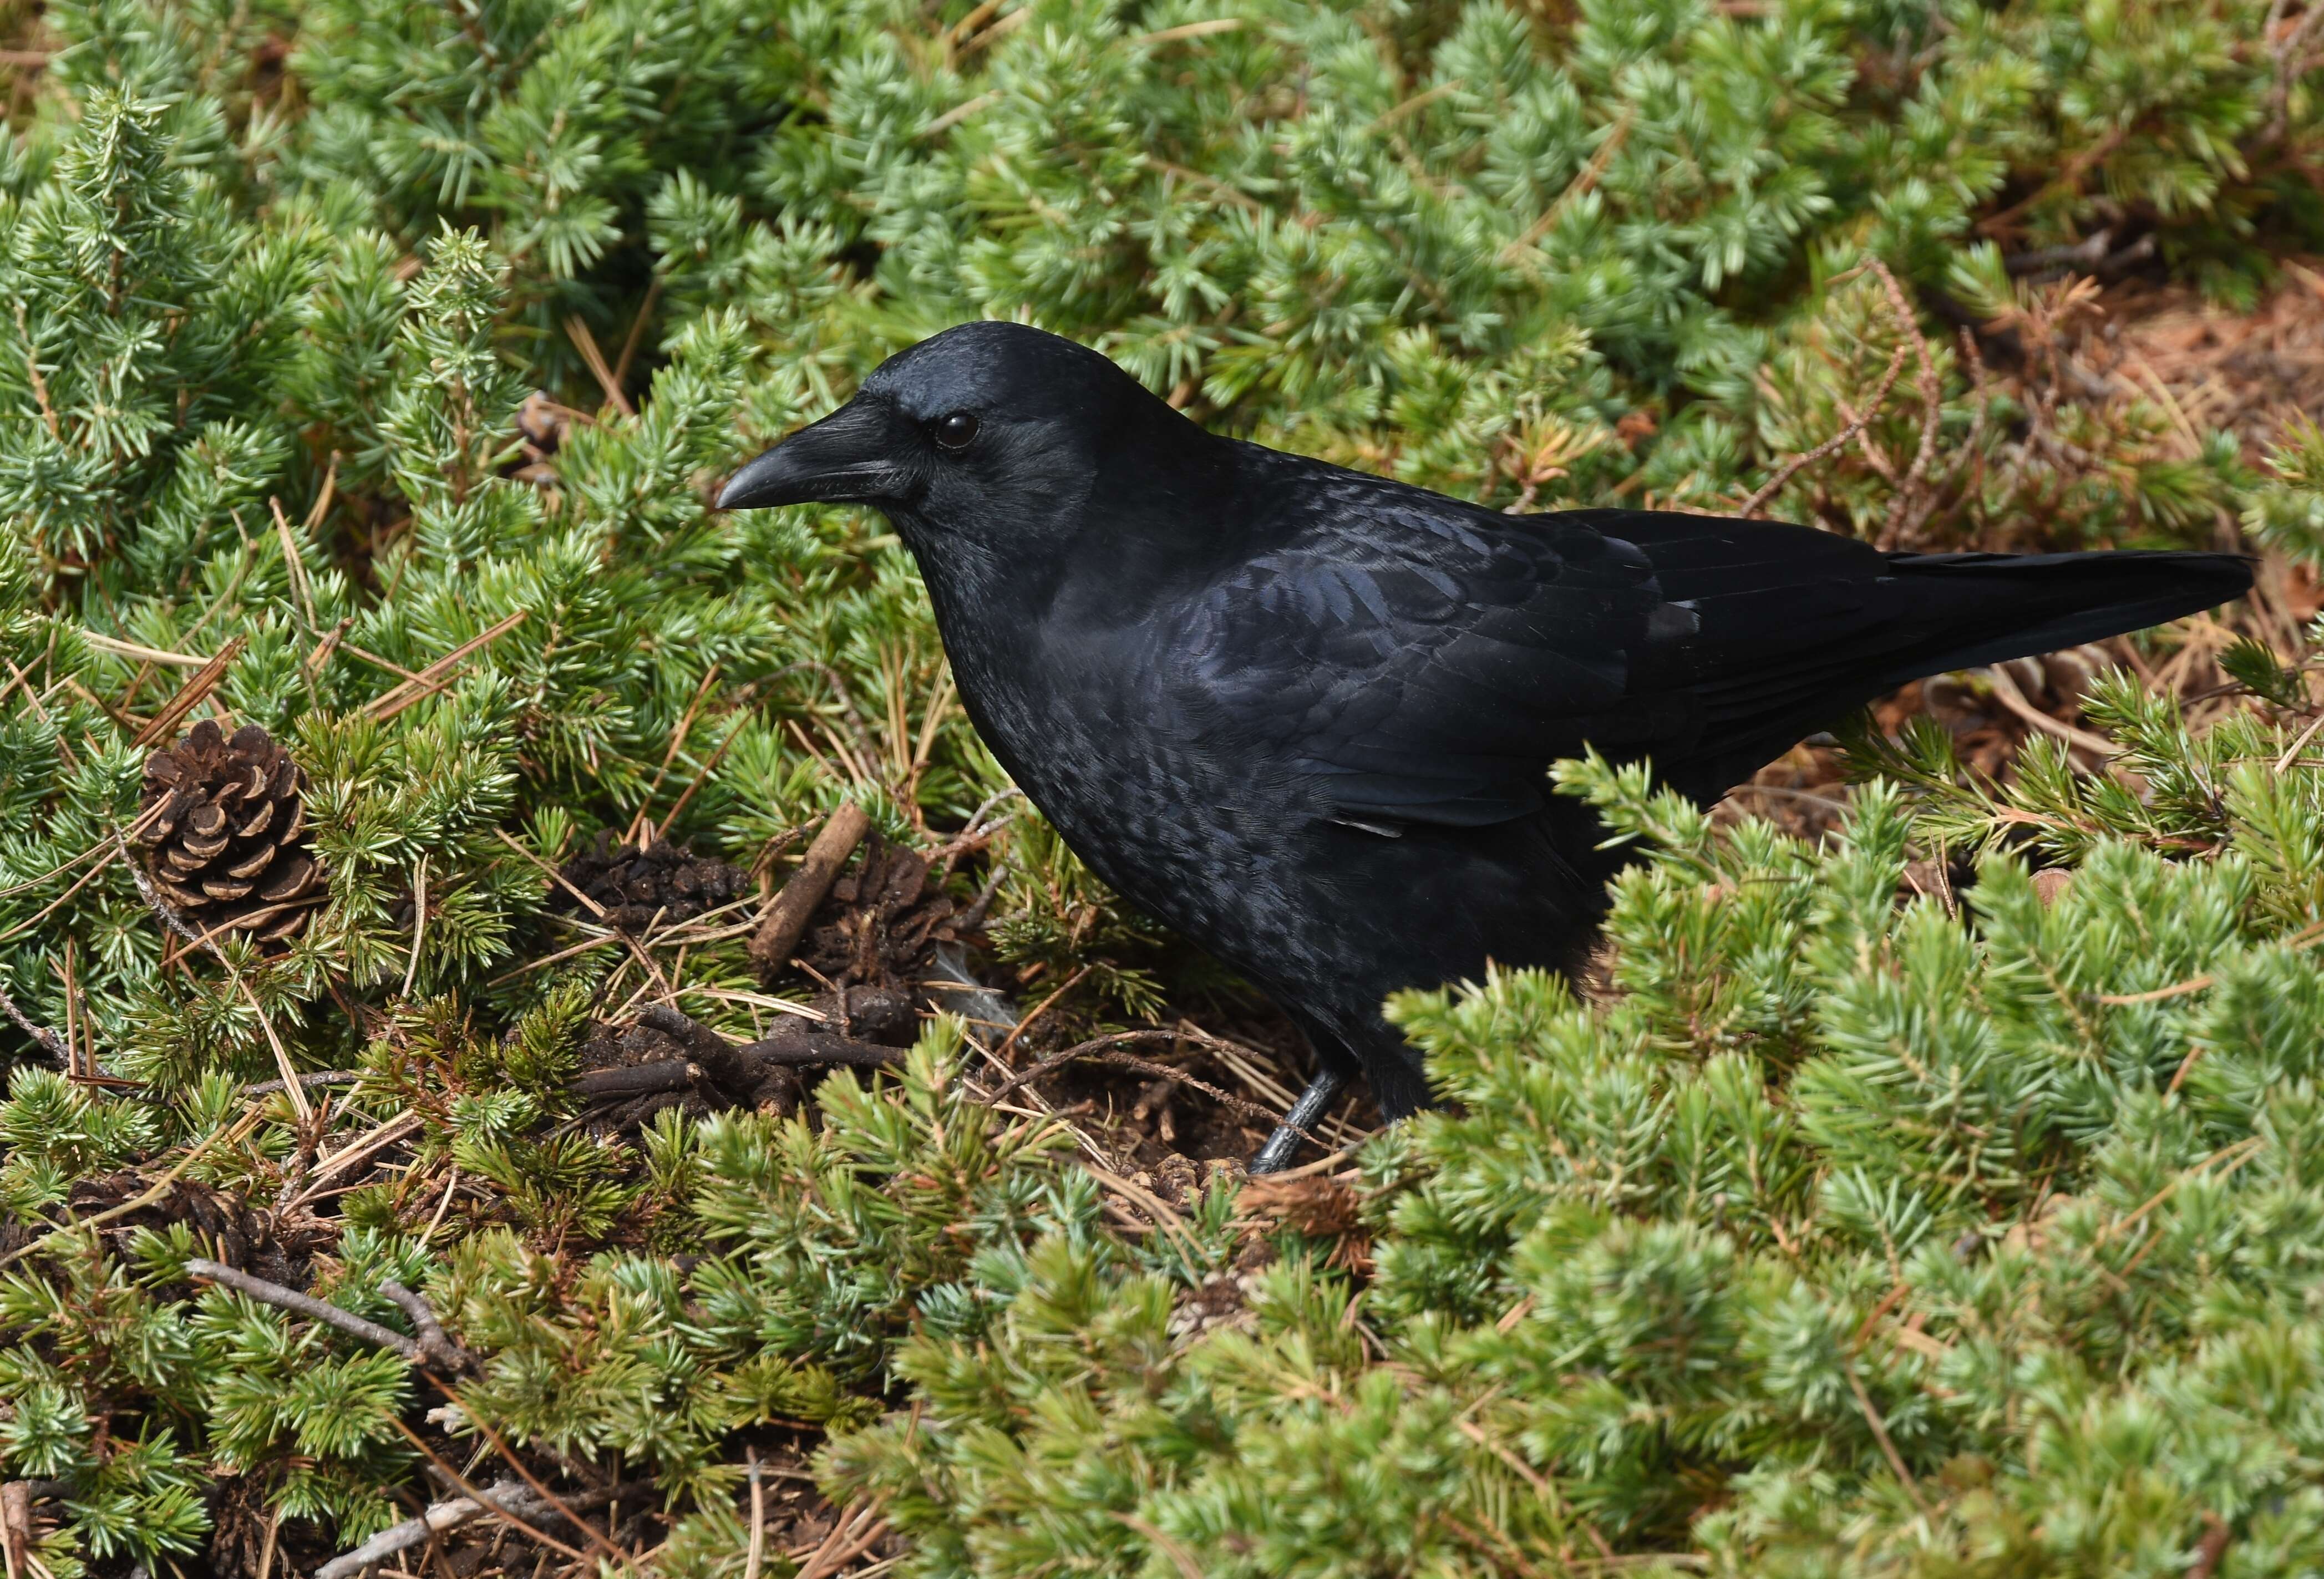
(388, 353)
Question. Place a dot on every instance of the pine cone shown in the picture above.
(228, 848)
(635, 886)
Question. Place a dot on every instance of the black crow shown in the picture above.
(1302, 714)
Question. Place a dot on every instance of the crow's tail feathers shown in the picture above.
(1793, 626)
(1988, 608)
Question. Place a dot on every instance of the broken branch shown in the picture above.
(786, 918)
(510, 1495)
(434, 1341)
(307, 1306)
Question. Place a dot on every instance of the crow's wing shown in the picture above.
(1423, 660)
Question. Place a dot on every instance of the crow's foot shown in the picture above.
(1306, 1113)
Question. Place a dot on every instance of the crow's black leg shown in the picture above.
(1306, 1113)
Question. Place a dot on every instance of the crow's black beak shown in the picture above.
(845, 457)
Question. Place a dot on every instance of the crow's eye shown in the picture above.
(954, 432)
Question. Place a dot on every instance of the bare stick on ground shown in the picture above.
(786, 921)
(808, 1049)
(306, 1305)
(42, 1034)
(434, 1348)
(510, 1495)
(636, 1079)
(434, 1341)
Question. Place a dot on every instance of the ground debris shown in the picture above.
(1319, 1207)
(641, 886)
(628, 1074)
(881, 921)
(278, 1246)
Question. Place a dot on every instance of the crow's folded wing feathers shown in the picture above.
(1424, 663)
(1423, 660)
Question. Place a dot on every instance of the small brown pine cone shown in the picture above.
(227, 840)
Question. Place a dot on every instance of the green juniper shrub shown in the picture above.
(392, 351)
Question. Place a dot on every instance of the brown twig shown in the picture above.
(292, 566)
(16, 1527)
(292, 1087)
(1088, 1049)
(758, 1552)
(121, 717)
(473, 1494)
(1242, 1106)
(72, 1018)
(636, 1079)
(2005, 692)
(1043, 1007)
(389, 665)
(1103, 1050)
(435, 1342)
(2216, 1535)
(1180, 1558)
(990, 35)
(1833, 445)
(39, 1033)
(677, 740)
(2290, 65)
(975, 19)
(786, 918)
(637, 330)
(957, 113)
(1217, 188)
(1157, 1210)
(695, 785)
(18, 677)
(2311, 933)
(1880, 1435)
(32, 367)
(556, 877)
(57, 904)
(306, 1304)
(1590, 176)
(808, 1051)
(1905, 512)
(484, 1429)
(844, 1545)
(321, 657)
(1190, 30)
(323, 497)
(320, 1077)
(243, 562)
(363, 1147)
(418, 921)
(510, 1494)
(2065, 180)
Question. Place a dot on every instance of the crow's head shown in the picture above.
(994, 433)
